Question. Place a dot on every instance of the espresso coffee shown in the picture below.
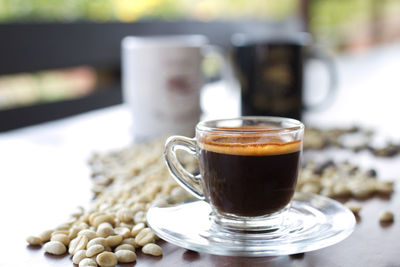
(249, 176)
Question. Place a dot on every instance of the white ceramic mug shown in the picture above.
(162, 78)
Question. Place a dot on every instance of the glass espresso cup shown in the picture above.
(248, 169)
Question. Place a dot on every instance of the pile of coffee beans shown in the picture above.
(341, 180)
(319, 139)
(114, 227)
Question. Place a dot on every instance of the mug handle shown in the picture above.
(324, 57)
(226, 68)
(191, 183)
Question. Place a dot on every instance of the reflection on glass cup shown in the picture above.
(248, 169)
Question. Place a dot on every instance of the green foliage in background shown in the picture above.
(334, 12)
(332, 21)
(132, 10)
(338, 20)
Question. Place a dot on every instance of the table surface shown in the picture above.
(44, 174)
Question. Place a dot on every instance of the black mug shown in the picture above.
(270, 71)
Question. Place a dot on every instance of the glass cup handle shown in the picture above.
(191, 183)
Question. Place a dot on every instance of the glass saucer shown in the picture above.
(313, 222)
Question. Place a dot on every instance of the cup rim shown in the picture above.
(295, 125)
(299, 38)
(164, 41)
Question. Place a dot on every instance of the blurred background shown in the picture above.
(59, 58)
